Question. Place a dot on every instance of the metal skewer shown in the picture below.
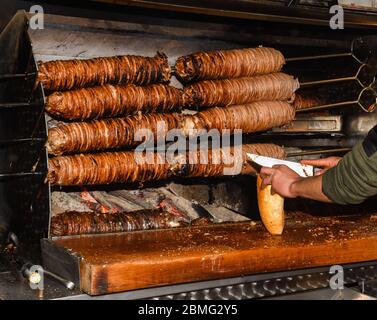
(314, 152)
(360, 51)
(17, 75)
(16, 105)
(20, 174)
(368, 76)
(21, 140)
(368, 105)
(365, 77)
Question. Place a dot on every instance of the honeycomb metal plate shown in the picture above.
(282, 286)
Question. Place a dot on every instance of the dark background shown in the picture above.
(9, 8)
(96, 10)
(78, 8)
(72, 8)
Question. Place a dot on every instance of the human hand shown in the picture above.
(281, 178)
(325, 163)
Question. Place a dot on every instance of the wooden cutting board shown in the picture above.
(113, 263)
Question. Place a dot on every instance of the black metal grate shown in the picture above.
(24, 195)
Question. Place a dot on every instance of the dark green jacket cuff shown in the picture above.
(354, 179)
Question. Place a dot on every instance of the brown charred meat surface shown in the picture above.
(274, 86)
(107, 133)
(304, 101)
(230, 160)
(229, 64)
(121, 132)
(253, 117)
(107, 168)
(78, 223)
(131, 167)
(110, 101)
(71, 74)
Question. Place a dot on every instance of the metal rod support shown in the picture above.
(66, 283)
(20, 174)
(313, 152)
(310, 83)
(323, 56)
(17, 75)
(327, 106)
(22, 140)
(9, 105)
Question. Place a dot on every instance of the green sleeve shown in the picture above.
(354, 179)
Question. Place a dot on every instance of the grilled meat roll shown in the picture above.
(127, 167)
(121, 132)
(275, 86)
(70, 74)
(110, 101)
(230, 160)
(108, 133)
(253, 117)
(228, 64)
(78, 223)
(304, 101)
(107, 168)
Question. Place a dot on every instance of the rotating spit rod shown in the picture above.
(361, 51)
(365, 77)
(366, 100)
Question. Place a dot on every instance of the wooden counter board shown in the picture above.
(120, 262)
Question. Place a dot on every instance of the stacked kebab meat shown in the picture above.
(104, 102)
